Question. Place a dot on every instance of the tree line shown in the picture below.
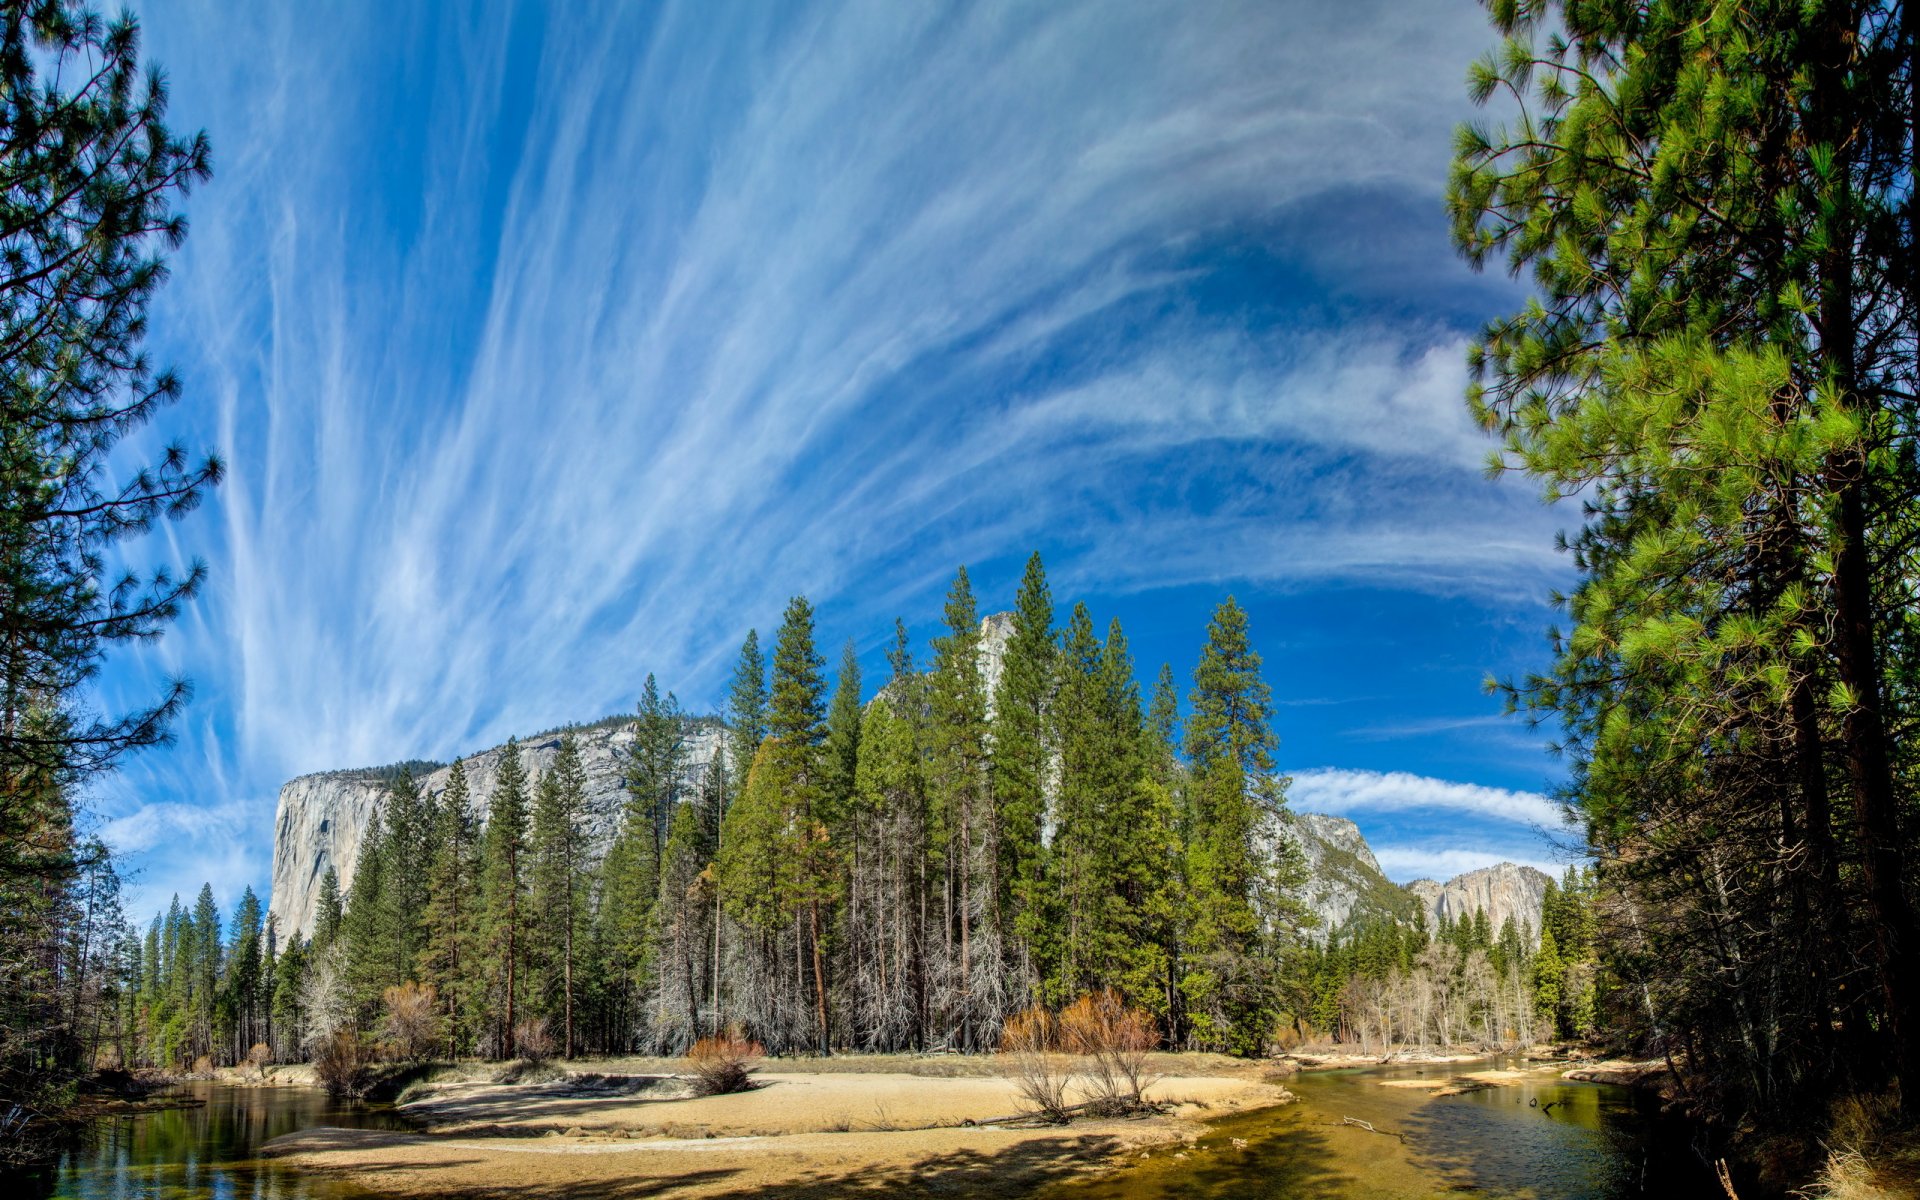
(898, 873)
(1388, 984)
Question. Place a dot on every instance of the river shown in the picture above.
(1542, 1137)
(204, 1151)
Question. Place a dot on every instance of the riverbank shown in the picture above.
(629, 1127)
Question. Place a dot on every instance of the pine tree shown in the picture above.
(243, 973)
(1715, 206)
(404, 895)
(503, 890)
(453, 876)
(206, 951)
(1019, 766)
(746, 721)
(796, 726)
(365, 927)
(1229, 987)
(653, 771)
(558, 879)
(327, 912)
(963, 820)
(840, 757)
(746, 710)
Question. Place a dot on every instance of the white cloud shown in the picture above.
(1343, 792)
(1404, 863)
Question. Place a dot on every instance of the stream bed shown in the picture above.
(1542, 1136)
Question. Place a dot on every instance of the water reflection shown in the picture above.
(208, 1150)
(1542, 1137)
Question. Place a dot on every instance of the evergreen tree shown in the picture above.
(503, 889)
(365, 926)
(453, 876)
(327, 913)
(840, 759)
(653, 771)
(1715, 204)
(244, 974)
(558, 880)
(796, 726)
(204, 947)
(1020, 764)
(1229, 987)
(963, 820)
(746, 710)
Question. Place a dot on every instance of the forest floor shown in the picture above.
(629, 1128)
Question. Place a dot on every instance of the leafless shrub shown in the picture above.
(534, 1040)
(202, 1068)
(1116, 1040)
(343, 1062)
(257, 1059)
(722, 1065)
(412, 1023)
(1040, 1073)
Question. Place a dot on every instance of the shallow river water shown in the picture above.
(207, 1151)
(1541, 1138)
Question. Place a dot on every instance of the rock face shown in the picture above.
(1505, 891)
(321, 818)
(1344, 882)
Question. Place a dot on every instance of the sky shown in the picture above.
(553, 346)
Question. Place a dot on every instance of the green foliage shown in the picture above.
(1713, 203)
(503, 892)
(1022, 751)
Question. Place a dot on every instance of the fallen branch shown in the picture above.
(1357, 1123)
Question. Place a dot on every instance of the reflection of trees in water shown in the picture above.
(1564, 1140)
(202, 1149)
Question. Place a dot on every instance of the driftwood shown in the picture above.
(1357, 1123)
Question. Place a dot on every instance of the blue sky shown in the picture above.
(550, 347)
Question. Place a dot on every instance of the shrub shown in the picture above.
(534, 1040)
(721, 1065)
(343, 1062)
(413, 1020)
(1039, 1072)
(1116, 1040)
(257, 1059)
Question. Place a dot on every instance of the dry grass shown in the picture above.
(1872, 1155)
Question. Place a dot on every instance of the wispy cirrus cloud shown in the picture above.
(554, 346)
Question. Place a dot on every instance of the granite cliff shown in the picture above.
(1505, 890)
(321, 817)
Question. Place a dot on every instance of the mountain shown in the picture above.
(321, 817)
(1344, 882)
(1505, 890)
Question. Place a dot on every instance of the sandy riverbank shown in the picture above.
(813, 1128)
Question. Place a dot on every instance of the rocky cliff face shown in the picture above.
(1505, 891)
(321, 818)
(1344, 882)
